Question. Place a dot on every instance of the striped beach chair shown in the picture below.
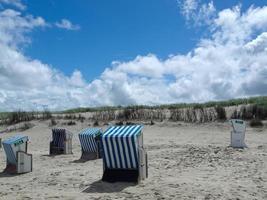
(61, 141)
(90, 143)
(124, 157)
(18, 160)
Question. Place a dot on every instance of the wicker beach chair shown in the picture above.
(90, 143)
(124, 157)
(18, 160)
(238, 133)
(61, 141)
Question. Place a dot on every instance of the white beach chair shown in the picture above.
(124, 156)
(61, 141)
(238, 133)
(18, 160)
(90, 139)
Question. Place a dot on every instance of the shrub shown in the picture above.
(46, 114)
(96, 123)
(120, 123)
(198, 106)
(26, 126)
(221, 114)
(152, 123)
(130, 123)
(81, 118)
(256, 123)
(53, 122)
(71, 123)
(19, 116)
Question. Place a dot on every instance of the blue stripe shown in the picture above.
(123, 148)
(59, 136)
(87, 139)
(108, 149)
(120, 146)
(117, 154)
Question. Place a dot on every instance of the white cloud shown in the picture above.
(195, 13)
(66, 24)
(259, 44)
(16, 3)
(13, 26)
(231, 63)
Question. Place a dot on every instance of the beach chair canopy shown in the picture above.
(238, 125)
(13, 145)
(59, 136)
(87, 139)
(121, 147)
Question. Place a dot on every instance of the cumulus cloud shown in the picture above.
(16, 3)
(230, 63)
(66, 24)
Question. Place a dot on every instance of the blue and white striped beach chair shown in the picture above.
(61, 141)
(124, 157)
(90, 143)
(18, 160)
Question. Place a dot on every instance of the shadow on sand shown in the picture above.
(105, 187)
(6, 175)
(79, 161)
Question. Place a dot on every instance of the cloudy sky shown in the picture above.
(64, 54)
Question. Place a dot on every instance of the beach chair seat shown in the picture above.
(61, 142)
(18, 160)
(124, 156)
(238, 133)
(90, 140)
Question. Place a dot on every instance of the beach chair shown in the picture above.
(18, 160)
(61, 141)
(90, 143)
(124, 157)
(238, 133)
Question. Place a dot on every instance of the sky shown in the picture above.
(59, 54)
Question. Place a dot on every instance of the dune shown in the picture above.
(186, 161)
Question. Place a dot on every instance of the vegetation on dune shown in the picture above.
(248, 108)
(23, 116)
(259, 101)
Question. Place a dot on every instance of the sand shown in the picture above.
(186, 161)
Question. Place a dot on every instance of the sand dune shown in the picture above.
(186, 161)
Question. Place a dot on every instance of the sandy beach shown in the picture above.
(186, 161)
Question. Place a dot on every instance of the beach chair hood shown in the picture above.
(13, 145)
(120, 147)
(87, 139)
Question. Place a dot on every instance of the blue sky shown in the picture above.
(122, 52)
(112, 30)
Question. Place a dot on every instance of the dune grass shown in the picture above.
(259, 101)
(258, 109)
